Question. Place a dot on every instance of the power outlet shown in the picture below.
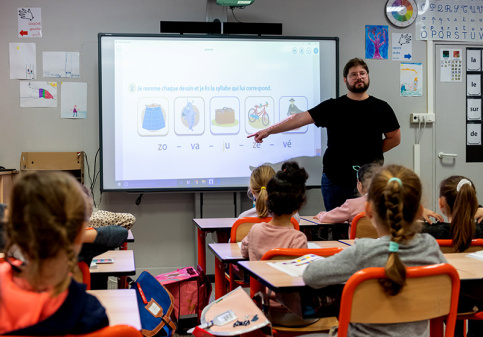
(422, 118)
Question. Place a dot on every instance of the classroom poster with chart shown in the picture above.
(36, 94)
(411, 79)
(73, 100)
(450, 20)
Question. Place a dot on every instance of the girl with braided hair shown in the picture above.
(457, 200)
(393, 205)
(47, 217)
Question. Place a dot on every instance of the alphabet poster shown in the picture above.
(377, 38)
(450, 20)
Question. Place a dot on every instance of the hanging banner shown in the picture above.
(449, 20)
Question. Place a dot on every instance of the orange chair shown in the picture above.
(86, 274)
(431, 293)
(323, 324)
(239, 230)
(447, 245)
(108, 331)
(362, 227)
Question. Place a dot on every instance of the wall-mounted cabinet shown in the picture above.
(72, 162)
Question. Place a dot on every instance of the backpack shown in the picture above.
(155, 305)
(190, 288)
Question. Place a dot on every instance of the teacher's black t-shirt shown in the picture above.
(354, 134)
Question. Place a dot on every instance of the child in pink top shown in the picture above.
(348, 211)
(285, 196)
(44, 230)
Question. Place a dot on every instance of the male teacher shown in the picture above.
(360, 128)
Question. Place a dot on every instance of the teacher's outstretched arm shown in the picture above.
(391, 140)
(289, 123)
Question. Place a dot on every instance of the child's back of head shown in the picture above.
(258, 185)
(395, 199)
(365, 175)
(458, 195)
(286, 190)
(47, 213)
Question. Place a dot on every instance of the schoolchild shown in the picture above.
(257, 191)
(352, 207)
(458, 202)
(46, 222)
(394, 205)
(285, 196)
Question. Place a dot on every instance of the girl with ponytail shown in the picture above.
(48, 213)
(285, 195)
(457, 200)
(393, 205)
(257, 191)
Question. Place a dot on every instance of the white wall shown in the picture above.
(164, 231)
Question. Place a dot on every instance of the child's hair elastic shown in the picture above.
(395, 179)
(393, 247)
(461, 183)
(263, 188)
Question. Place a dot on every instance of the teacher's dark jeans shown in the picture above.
(335, 195)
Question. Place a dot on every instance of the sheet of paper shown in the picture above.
(38, 94)
(402, 47)
(73, 100)
(60, 64)
(23, 61)
(29, 22)
(411, 79)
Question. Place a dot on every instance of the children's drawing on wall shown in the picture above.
(61, 64)
(377, 39)
(73, 100)
(23, 61)
(411, 79)
(38, 94)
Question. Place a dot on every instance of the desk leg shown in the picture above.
(220, 281)
(202, 249)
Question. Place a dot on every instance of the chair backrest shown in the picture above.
(242, 226)
(86, 273)
(362, 227)
(109, 331)
(446, 246)
(290, 253)
(430, 292)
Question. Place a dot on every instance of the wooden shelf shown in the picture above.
(72, 162)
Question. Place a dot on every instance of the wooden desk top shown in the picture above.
(207, 224)
(121, 306)
(347, 242)
(468, 269)
(123, 263)
(230, 252)
(212, 224)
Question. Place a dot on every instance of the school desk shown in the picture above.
(292, 291)
(227, 253)
(123, 263)
(121, 306)
(130, 236)
(222, 228)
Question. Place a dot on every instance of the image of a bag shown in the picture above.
(190, 288)
(155, 305)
